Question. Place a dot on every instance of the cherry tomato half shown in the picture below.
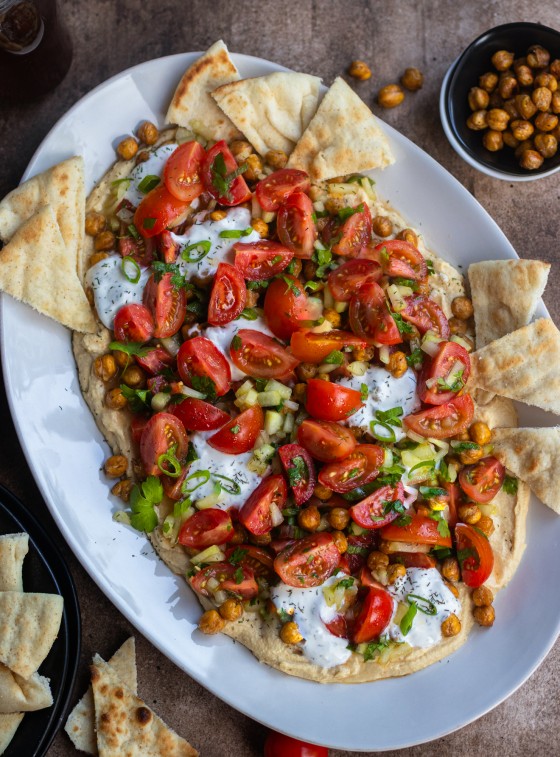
(167, 303)
(421, 530)
(258, 559)
(162, 432)
(374, 511)
(206, 527)
(345, 279)
(285, 306)
(475, 555)
(182, 172)
(167, 247)
(326, 441)
(426, 315)
(256, 513)
(443, 421)
(374, 616)
(400, 258)
(413, 559)
(445, 374)
(300, 470)
(295, 225)
(198, 415)
(155, 361)
(260, 356)
(370, 317)
(279, 745)
(261, 260)
(235, 579)
(359, 468)
(218, 172)
(314, 348)
(309, 561)
(278, 186)
(355, 233)
(157, 211)
(133, 323)
(328, 401)
(200, 361)
(240, 433)
(483, 480)
(228, 295)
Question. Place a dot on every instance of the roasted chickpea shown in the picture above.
(480, 433)
(340, 541)
(486, 525)
(339, 518)
(262, 540)
(538, 57)
(524, 75)
(141, 157)
(104, 241)
(95, 223)
(478, 98)
(330, 315)
(451, 626)
(478, 120)
(452, 588)
(289, 633)
(554, 68)
(240, 149)
(298, 395)
(359, 69)
(115, 466)
(522, 130)
(546, 145)
(502, 60)
(484, 616)
(488, 81)
(509, 139)
(493, 140)
(211, 622)
(231, 609)
(252, 298)
(412, 79)
(556, 133)
(148, 133)
(395, 572)
(525, 106)
(105, 367)
(377, 561)
(306, 371)
(254, 167)
(497, 119)
(511, 108)
(546, 80)
(450, 569)
(134, 377)
(482, 597)
(390, 96)
(260, 226)
(408, 235)
(309, 518)
(469, 513)
(531, 160)
(276, 159)
(96, 258)
(122, 489)
(457, 326)
(525, 145)
(363, 353)
(382, 226)
(542, 97)
(115, 399)
(128, 148)
(508, 86)
(218, 215)
(546, 121)
(397, 365)
(462, 308)
(471, 456)
(555, 103)
(323, 493)
(334, 205)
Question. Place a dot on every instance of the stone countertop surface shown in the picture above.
(320, 38)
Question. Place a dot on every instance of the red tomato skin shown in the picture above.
(137, 426)
(226, 574)
(157, 211)
(167, 303)
(173, 486)
(254, 260)
(438, 367)
(421, 423)
(344, 281)
(280, 745)
(155, 361)
(238, 191)
(413, 559)
(314, 348)
(467, 537)
(133, 323)
(370, 317)
(198, 415)
(492, 474)
(205, 528)
(367, 458)
(328, 401)
(182, 172)
(317, 554)
(260, 356)
(374, 617)
(141, 250)
(326, 441)
(404, 260)
(426, 315)
(372, 505)
(356, 232)
(295, 226)
(228, 295)
(278, 186)
(250, 423)
(200, 357)
(167, 248)
(422, 530)
(302, 490)
(161, 432)
(285, 306)
(258, 559)
(255, 514)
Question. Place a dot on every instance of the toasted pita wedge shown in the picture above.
(19, 694)
(80, 725)
(192, 106)
(524, 365)
(13, 548)
(29, 625)
(272, 111)
(37, 268)
(532, 454)
(8, 727)
(124, 723)
(343, 137)
(505, 294)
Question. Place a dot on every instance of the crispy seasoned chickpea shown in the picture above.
(531, 160)
(408, 235)
(95, 223)
(104, 241)
(254, 169)
(340, 541)
(377, 561)
(261, 541)
(462, 437)
(330, 315)
(334, 204)
(525, 145)
(457, 326)
(497, 119)
(554, 68)
(462, 308)
(502, 60)
(452, 588)
(239, 534)
(508, 86)
(525, 106)
(309, 518)
(240, 149)
(451, 626)
(524, 75)
(363, 353)
(252, 298)
(469, 513)
(115, 399)
(96, 258)
(488, 81)
(105, 367)
(546, 80)
(276, 159)
(339, 518)
(298, 395)
(115, 466)
(480, 433)
(122, 489)
(289, 633)
(306, 371)
(555, 103)
(395, 572)
(478, 120)
(493, 140)
(390, 96)
(484, 616)
(231, 609)
(556, 133)
(218, 215)
(509, 139)
(134, 377)
(397, 365)
(260, 226)
(486, 525)
(511, 108)
(471, 456)
(546, 121)
(141, 157)
(542, 97)
(382, 226)
(359, 69)
(522, 130)
(121, 358)
(128, 148)
(211, 622)
(322, 492)
(450, 569)
(148, 133)
(412, 79)
(478, 98)
(482, 597)
(546, 145)
(538, 57)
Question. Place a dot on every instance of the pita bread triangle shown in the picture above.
(125, 725)
(8, 727)
(343, 137)
(272, 111)
(37, 268)
(532, 454)
(505, 294)
(19, 694)
(80, 725)
(13, 548)
(192, 106)
(523, 365)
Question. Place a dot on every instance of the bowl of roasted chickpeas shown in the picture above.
(500, 102)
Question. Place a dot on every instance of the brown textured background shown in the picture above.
(319, 38)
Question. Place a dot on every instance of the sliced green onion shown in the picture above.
(428, 465)
(199, 474)
(428, 492)
(250, 314)
(148, 183)
(149, 223)
(233, 487)
(133, 273)
(236, 233)
(390, 437)
(429, 607)
(202, 248)
(133, 231)
(406, 622)
(169, 459)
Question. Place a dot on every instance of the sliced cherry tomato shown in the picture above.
(278, 186)
(133, 323)
(483, 480)
(295, 225)
(155, 361)
(260, 356)
(240, 433)
(355, 233)
(421, 530)
(328, 401)
(198, 415)
(400, 258)
(173, 487)
(258, 559)
(236, 579)
(374, 616)
(426, 315)
(167, 303)
(256, 514)
(141, 250)
(358, 469)
(314, 348)
(157, 211)
(285, 306)
(326, 441)
(338, 627)
(344, 281)
(228, 295)
(300, 470)
(206, 527)
(309, 561)
(200, 362)
(370, 317)
(374, 511)
(413, 559)
(279, 745)
(452, 503)
(218, 172)
(261, 260)
(475, 555)
(167, 247)
(445, 374)
(162, 432)
(183, 171)
(443, 421)
(137, 426)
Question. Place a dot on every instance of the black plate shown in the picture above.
(44, 570)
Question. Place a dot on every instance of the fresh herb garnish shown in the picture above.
(204, 385)
(284, 616)
(416, 358)
(430, 267)
(138, 399)
(297, 471)
(160, 269)
(237, 556)
(258, 284)
(148, 183)
(323, 258)
(430, 492)
(131, 348)
(345, 213)
(374, 648)
(440, 553)
(235, 429)
(403, 520)
(391, 416)
(143, 497)
(221, 179)
(442, 524)
(236, 342)
(455, 386)
(422, 604)
(250, 314)
(364, 391)
(149, 223)
(133, 231)
(335, 358)
(464, 446)
(231, 486)
(402, 325)
(312, 285)
(236, 233)
(510, 485)
(239, 575)
(291, 285)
